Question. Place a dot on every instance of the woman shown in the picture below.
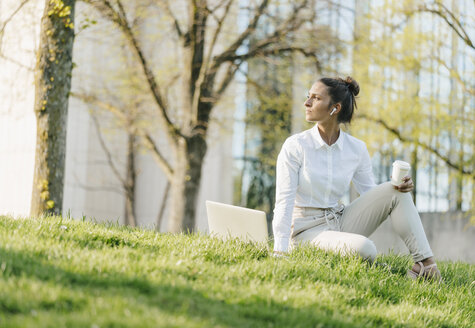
(314, 170)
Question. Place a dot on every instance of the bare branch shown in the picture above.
(101, 188)
(244, 35)
(90, 99)
(228, 77)
(291, 24)
(398, 134)
(196, 53)
(159, 158)
(171, 82)
(94, 100)
(454, 73)
(218, 5)
(179, 32)
(449, 17)
(337, 4)
(120, 19)
(9, 18)
(163, 206)
(218, 29)
(117, 190)
(154, 87)
(462, 33)
(17, 63)
(106, 151)
(257, 52)
(261, 51)
(197, 96)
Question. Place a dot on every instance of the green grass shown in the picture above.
(65, 273)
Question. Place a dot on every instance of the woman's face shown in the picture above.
(317, 106)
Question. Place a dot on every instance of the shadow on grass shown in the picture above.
(176, 300)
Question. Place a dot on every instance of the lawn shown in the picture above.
(65, 273)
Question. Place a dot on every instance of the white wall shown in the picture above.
(17, 93)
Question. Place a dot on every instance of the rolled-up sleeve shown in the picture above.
(363, 178)
(287, 179)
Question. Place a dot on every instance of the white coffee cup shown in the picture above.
(400, 170)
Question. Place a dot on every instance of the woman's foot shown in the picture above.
(425, 269)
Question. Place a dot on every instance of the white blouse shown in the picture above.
(310, 173)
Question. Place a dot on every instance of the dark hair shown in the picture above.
(344, 92)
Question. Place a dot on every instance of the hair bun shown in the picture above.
(352, 85)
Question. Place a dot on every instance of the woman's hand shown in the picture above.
(406, 186)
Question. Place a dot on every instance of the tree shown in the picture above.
(205, 76)
(119, 110)
(53, 83)
(451, 18)
(128, 183)
(402, 63)
(274, 98)
(268, 123)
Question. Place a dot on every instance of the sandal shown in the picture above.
(426, 273)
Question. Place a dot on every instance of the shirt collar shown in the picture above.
(319, 142)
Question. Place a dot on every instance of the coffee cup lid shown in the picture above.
(402, 164)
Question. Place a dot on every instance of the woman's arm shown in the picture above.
(287, 176)
(363, 178)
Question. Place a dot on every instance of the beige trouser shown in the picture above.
(345, 229)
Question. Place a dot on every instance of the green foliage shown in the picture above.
(406, 73)
(59, 9)
(61, 272)
(268, 123)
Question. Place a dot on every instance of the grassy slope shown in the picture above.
(57, 273)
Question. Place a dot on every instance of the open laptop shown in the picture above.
(228, 221)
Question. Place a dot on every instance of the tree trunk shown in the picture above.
(414, 167)
(163, 205)
(53, 83)
(186, 183)
(130, 182)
